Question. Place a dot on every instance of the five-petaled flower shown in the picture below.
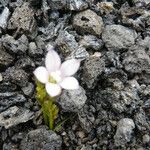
(55, 75)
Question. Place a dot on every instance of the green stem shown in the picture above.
(45, 116)
(49, 108)
(51, 120)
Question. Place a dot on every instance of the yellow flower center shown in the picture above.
(52, 80)
(55, 77)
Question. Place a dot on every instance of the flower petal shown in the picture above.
(52, 61)
(41, 74)
(69, 83)
(53, 89)
(70, 67)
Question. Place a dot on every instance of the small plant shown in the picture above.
(51, 79)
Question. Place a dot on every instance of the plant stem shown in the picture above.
(51, 120)
(45, 116)
(50, 112)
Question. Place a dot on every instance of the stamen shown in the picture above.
(52, 80)
(56, 76)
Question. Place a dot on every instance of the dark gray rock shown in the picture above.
(29, 89)
(109, 19)
(18, 137)
(72, 100)
(135, 17)
(14, 116)
(93, 67)
(34, 51)
(35, 3)
(25, 63)
(142, 1)
(4, 2)
(7, 86)
(137, 60)
(54, 15)
(8, 99)
(5, 58)
(49, 31)
(147, 104)
(117, 37)
(143, 78)
(4, 134)
(41, 139)
(57, 4)
(23, 19)
(141, 120)
(86, 147)
(91, 42)
(88, 22)
(112, 72)
(124, 131)
(17, 76)
(4, 18)
(13, 46)
(119, 98)
(79, 53)
(113, 59)
(66, 42)
(10, 145)
(145, 44)
(45, 5)
(69, 47)
(86, 118)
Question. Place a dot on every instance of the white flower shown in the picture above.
(55, 75)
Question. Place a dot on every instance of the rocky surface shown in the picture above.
(41, 139)
(23, 19)
(15, 46)
(8, 99)
(5, 58)
(93, 68)
(118, 37)
(72, 100)
(88, 22)
(124, 130)
(4, 17)
(14, 116)
(111, 110)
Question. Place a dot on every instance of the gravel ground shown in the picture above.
(111, 109)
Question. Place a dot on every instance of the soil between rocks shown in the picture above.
(111, 110)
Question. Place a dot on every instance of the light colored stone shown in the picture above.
(1, 78)
(72, 100)
(124, 130)
(4, 17)
(23, 18)
(118, 37)
(88, 22)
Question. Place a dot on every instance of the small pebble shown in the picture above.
(146, 138)
(1, 78)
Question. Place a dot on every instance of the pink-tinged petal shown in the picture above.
(53, 89)
(41, 74)
(70, 67)
(52, 61)
(69, 83)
